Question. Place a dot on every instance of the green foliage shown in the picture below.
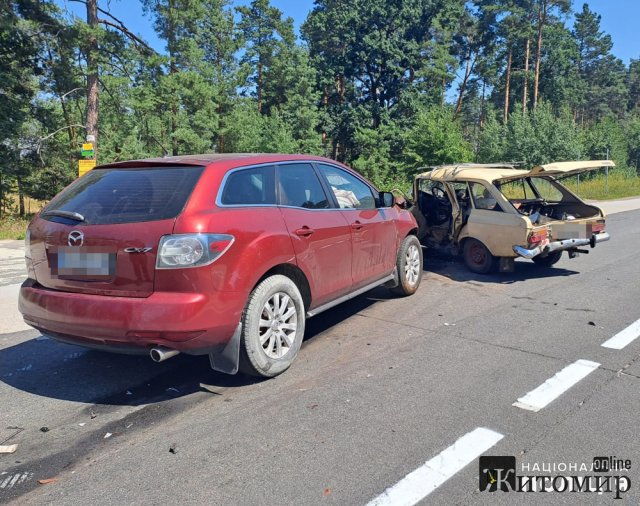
(380, 158)
(435, 139)
(248, 131)
(632, 134)
(369, 86)
(535, 137)
(607, 139)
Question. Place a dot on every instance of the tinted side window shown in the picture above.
(350, 192)
(300, 187)
(109, 196)
(254, 187)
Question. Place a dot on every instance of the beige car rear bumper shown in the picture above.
(561, 245)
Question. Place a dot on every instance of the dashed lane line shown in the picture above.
(420, 483)
(555, 386)
(624, 337)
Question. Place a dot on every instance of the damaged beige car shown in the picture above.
(493, 213)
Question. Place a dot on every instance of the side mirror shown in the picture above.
(386, 199)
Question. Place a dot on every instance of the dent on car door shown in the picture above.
(498, 230)
(320, 235)
(373, 229)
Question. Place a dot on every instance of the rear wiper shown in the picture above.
(64, 214)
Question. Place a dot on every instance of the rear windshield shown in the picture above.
(107, 196)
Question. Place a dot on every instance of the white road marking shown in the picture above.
(624, 337)
(14, 479)
(554, 387)
(420, 483)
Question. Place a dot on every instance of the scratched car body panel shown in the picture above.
(494, 213)
(165, 255)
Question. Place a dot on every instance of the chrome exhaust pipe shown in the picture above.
(527, 253)
(160, 353)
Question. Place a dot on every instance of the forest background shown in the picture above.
(386, 86)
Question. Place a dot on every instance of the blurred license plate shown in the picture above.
(81, 262)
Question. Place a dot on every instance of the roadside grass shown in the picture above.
(595, 188)
(13, 227)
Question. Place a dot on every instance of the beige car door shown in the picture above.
(497, 229)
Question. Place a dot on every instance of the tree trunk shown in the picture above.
(171, 43)
(526, 77)
(482, 105)
(259, 87)
(463, 85)
(507, 86)
(20, 196)
(92, 76)
(542, 19)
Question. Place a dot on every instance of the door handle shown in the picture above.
(356, 225)
(304, 231)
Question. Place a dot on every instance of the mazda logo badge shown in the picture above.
(76, 238)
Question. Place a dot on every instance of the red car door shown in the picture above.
(320, 234)
(373, 229)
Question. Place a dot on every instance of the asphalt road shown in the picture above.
(381, 386)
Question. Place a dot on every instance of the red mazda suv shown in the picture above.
(222, 254)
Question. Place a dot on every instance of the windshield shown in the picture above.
(108, 196)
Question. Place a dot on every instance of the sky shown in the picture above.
(619, 19)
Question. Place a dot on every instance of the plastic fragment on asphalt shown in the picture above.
(44, 429)
(129, 392)
(82, 424)
(8, 448)
(107, 435)
(47, 481)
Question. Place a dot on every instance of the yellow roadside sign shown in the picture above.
(85, 166)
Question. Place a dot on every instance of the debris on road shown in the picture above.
(172, 389)
(93, 414)
(47, 481)
(326, 492)
(592, 324)
(8, 448)
(173, 448)
(82, 424)
(44, 429)
(108, 435)
(129, 392)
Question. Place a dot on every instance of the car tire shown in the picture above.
(409, 266)
(548, 260)
(272, 327)
(477, 257)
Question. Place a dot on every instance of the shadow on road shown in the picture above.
(51, 369)
(454, 269)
